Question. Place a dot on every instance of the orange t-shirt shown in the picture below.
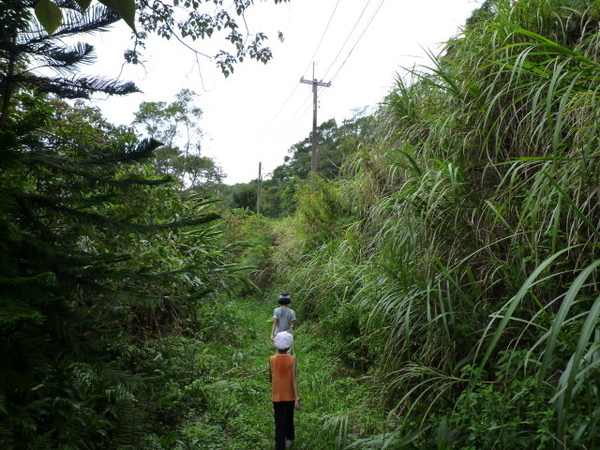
(283, 367)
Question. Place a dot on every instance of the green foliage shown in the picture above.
(175, 125)
(100, 255)
(160, 18)
(76, 287)
(320, 213)
(241, 196)
(472, 239)
(508, 416)
(251, 238)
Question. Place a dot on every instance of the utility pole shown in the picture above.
(258, 193)
(313, 155)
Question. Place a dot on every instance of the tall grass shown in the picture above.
(503, 219)
(474, 252)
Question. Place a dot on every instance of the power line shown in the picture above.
(378, 8)
(357, 41)
(275, 116)
(304, 104)
(348, 38)
(323, 35)
(313, 159)
(359, 38)
(301, 110)
(285, 103)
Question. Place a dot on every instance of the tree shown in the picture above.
(96, 249)
(164, 18)
(280, 191)
(24, 46)
(334, 144)
(176, 126)
(170, 122)
(243, 196)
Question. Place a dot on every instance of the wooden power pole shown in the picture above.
(313, 155)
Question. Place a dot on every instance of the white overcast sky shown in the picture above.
(260, 111)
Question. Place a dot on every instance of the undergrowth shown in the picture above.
(339, 406)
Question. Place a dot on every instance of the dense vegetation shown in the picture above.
(457, 260)
(108, 267)
(444, 270)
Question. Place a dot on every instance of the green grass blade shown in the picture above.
(561, 316)
(574, 206)
(511, 305)
(567, 380)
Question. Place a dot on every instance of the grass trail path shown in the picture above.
(240, 414)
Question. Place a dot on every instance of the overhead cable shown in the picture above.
(359, 38)
(348, 38)
(285, 103)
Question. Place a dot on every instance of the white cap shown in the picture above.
(283, 340)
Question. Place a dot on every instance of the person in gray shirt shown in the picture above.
(283, 316)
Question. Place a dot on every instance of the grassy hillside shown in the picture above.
(456, 262)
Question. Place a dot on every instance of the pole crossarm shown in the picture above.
(315, 82)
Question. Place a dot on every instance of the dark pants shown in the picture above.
(284, 423)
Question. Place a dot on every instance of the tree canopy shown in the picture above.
(184, 21)
(177, 126)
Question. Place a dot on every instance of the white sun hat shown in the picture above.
(283, 340)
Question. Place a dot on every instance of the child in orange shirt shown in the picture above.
(285, 396)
